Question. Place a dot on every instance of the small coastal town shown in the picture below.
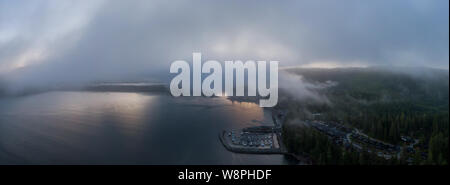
(268, 140)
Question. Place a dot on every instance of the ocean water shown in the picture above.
(81, 127)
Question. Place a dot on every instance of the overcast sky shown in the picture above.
(61, 40)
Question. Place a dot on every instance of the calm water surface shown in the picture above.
(124, 128)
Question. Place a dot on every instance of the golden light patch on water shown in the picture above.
(245, 113)
(128, 109)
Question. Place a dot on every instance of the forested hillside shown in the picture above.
(385, 104)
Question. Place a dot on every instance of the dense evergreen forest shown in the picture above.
(383, 103)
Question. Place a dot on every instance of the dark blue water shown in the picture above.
(124, 128)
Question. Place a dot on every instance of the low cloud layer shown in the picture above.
(46, 42)
(296, 87)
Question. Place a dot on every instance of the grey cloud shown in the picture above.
(124, 39)
(294, 86)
